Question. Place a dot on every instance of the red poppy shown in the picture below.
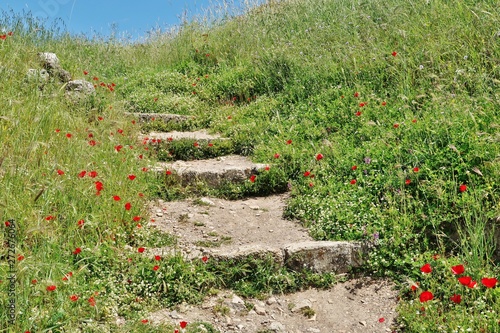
(204, 259)
(51, 288)
(458, 269)
(92, 143)
(354, 181)
(384, 103)
(7, 223)
(10, 33)
(307, 174)
(98, 186)
(85, 73)
(362, 104)
(276, 155)
(395, 125)
(358, 113)
(93, 174)
(156, 268)
(416, 169)
(20, 257)
(426, 296)
(128, 206)
(462, 188)
(137, 218)
(120, 131)
(408, 181)
(57, 130)
(465, 280)
(100, 118)
(34, 281)
(118, 148)
(157, 258)
(68, 135)
(74, 298)
(394, 53)
(354, 167)
(67, 276)
(183, 324)
(456, 298)
(196, 144)
(311, 184)
(49, 218)
(472, 284)
(289, 142)
(489, 282)
(144, 321)
(144, 169)
(381, 320)
(319, 157)
(77, 251)
(60, 172)
(95, 78)
(116, 198)
(267, 168)
(414, 286)
(426, 268)
(131, 177)
(414, 121)
(3, 37)
(141, 250)
(81, 223)
(356, 94)
(168, 172)
(91, 301)
(210, 144)
(252, 178)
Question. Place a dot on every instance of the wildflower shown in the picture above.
(356, 94)
(77, 251)
(168, 172)
(85, 73)
(394, 53)
(307, 174)
(92, 143)
(156, 268)
(80, 223)
(456, 298)
(141, 250)
(319, 157)
(128, 206)
(362, 104)
(196, 144)
(489, 282)
(49, 218)
(116, 198)
(384, 103)
(204, 259)
(34, 281)
(93, 174)
(60, 172)
(91, 301)
(118, 148)
(465, 280)
(416, 169)
(51, 288)
(353, 182)
(183, 324)
(408, 181)
(98, 186)
(131, 177)
(462, 188)
(20, 257)
(267, 168)
(157, 258)
(358, 113)
(458, 269)
(74, 298)
(426, 268)
(276, 155)
(252, 178)
(311, 184)
(426, 296)
(69, 135)
(396, 125)
(381, 320)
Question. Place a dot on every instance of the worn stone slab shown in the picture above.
(214, 172)
(258, 251)
(324, 256)
(174, 135)
(165, 117)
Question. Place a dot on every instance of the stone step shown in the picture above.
(165, 117)
(201, 135)
(214, 172)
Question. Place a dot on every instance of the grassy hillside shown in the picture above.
(381, 116)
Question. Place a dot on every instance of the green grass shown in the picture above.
(401, 100)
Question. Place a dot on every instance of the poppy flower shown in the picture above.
(426, 268)
(319, 157)
(67, 276)
(34, 281)
(416, 169)
(157, 258)
(354, 167)
(462, 188)
(183, 324)
(472, 284)
(168, 172)
(141, 250)
(414, 286)
(267, 168)
(210, 144)
(10, 33)
(362, 104)
(144, 169)
(458, 269)
(57, 130)
(311, 184)
(156, 268)
(408, 181)
(74, 298)
(81, 223)
(384, 103)
(128, 206)
(118, 148)
(381, 320)
(77, 251)
(92, 143)
(98, 186)
(358, 113)
(116, 198)
(60, 172)
(51, 288)
(289, 142)
(456, 298)
(354, 181)
(144, 321)
(307, 174)
(85, 73)
(252, 178)
(93, 174)
(465, 280)
(276, 155)
(137, 218)
(394, 53)
(20, 257)
(426, 296)
(196, 144)
(204, 259)
(49, 218)
(91, 301)
(131, 177)
(395, 125)
(7, 223)
(3, 37)
(489, 282)
(356, 94)
(69, 135)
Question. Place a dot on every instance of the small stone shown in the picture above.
(260, 310)
(175, 315)
(240, 326)
(159, 214)
(313, 330)
(276, 326)
(237, 300)
(271, 300)
(207, 201)
(302, 304)
(254, 207)
(362, 323)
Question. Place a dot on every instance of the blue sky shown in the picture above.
(130, 17)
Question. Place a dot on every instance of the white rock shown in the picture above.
(276, 326)
(260, 310)
(302, 304)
